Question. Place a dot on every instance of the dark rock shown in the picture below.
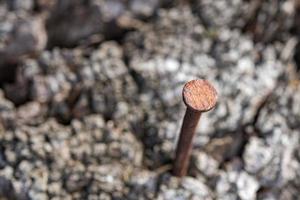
(7, 190)
(72, 22)
(28, 37)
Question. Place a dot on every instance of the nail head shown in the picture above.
(199, 95)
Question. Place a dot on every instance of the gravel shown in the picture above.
(91, 108)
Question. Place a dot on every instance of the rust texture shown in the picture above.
(199, 96)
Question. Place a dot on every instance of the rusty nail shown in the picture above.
(199, 96)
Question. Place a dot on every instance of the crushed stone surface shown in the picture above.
(91, 99)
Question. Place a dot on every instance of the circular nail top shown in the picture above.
(199, 95)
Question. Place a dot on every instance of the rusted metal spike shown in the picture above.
(199, 96)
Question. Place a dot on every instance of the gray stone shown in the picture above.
(235, 185)
(28, 36)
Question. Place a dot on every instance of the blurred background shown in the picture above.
(91, 106)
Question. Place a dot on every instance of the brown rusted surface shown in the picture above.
(199, 95)
(184, 146)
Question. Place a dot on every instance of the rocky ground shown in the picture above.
(90, 98)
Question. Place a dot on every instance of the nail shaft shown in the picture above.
(184, 149)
